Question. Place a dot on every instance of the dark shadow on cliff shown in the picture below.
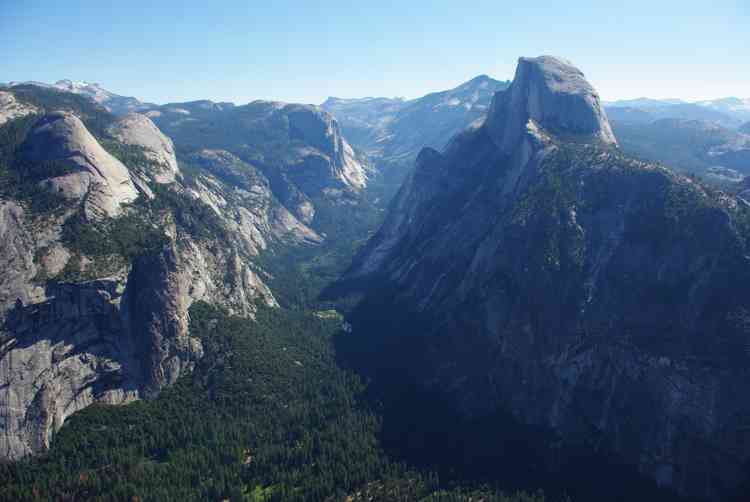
(422, 428)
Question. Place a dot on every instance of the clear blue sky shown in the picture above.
(162, 50)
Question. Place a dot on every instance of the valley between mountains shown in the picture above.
(505, 291)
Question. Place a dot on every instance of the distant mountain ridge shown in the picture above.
(392, 131)
(643, 103)
(119, 105)
(365, 112)
(729, 112)
(705, 148)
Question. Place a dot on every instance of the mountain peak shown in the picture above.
(479, 79)
(556, 96)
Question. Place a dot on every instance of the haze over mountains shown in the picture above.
(391, 131)
(387, 128)
(730, 111)
(522, 272)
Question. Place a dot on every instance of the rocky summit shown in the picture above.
(546, 274)
(137, 130)
(553, 95)
(79, 168)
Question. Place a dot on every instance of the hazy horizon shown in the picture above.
(293, 52)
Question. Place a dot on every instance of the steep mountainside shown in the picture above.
(105, 243)
(531, 267)
(299, 148)
(698, 147)
(66, 159)
(94, 312)
(138, 131)
(393, 131)
(364, 120)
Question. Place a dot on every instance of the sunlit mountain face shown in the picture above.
(352, 253)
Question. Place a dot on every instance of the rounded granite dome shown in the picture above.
(556, 96)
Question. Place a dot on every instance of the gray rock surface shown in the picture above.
(89, 173)
(11, 108)
(111, 340)
(330, 149)
(122, 335)
(243, 195)
(137, 130)
(298, 148)
(598, 296)
(553, 94)
(16, 258)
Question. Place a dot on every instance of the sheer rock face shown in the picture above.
(553, 94)
(298, 148)
(123, 335)
(137, 130)
(255, 213)
(111, 340)
(596, 295)
(89, 173)
(322, 131)
(16, 260)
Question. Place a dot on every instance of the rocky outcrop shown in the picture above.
(11, 108)
(393, 129)
(78, 327)
(16, 258)
(138, 130)
(111, 341)
(553, 95)
(254, 213)
(298, 148)
(331, 157)
(595, 295)
(69, 161)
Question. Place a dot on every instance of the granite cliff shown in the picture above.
(105, 243)
(549, 275)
